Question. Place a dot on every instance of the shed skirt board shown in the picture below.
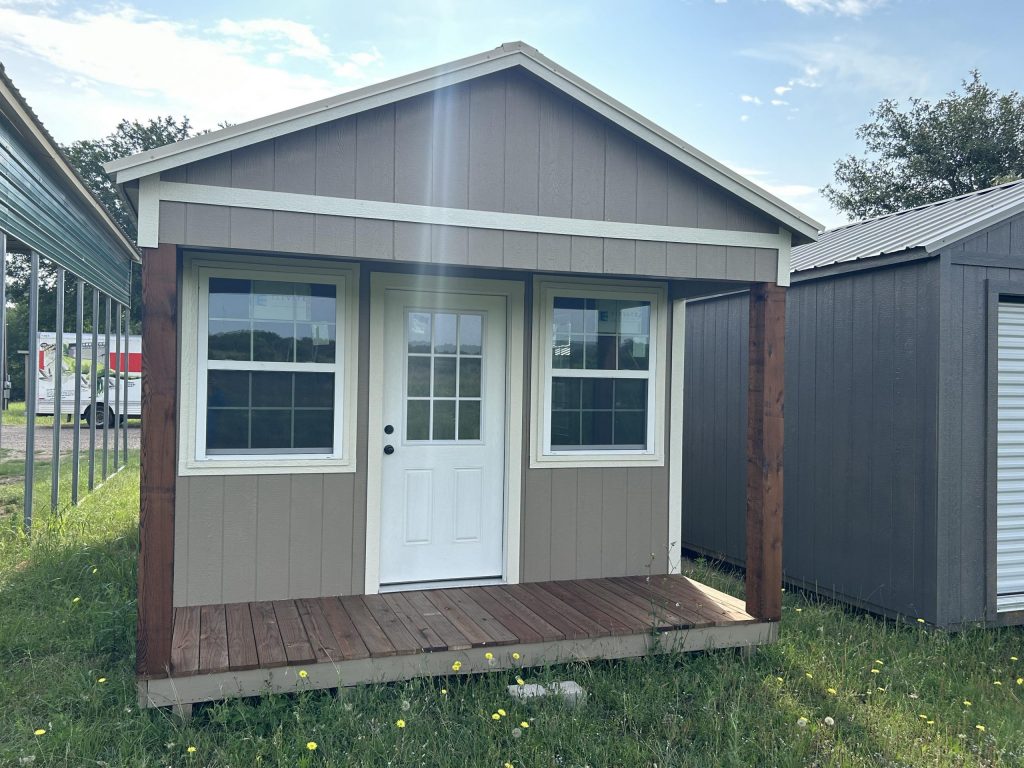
(1010, 460)
(246, 649)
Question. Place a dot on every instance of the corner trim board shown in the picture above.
(204, 194)
(149, 211)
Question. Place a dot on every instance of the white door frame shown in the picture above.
(513, 292)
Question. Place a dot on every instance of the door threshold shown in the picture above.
(415, 586)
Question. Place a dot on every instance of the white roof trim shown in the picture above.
(504, 57)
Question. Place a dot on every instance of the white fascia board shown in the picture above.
(180, 192)
(148, 218)
(505, 57)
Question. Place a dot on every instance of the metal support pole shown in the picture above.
(106, 385)
(93, 383)
(3, 325)
(58, 389)
(117, 386)
(32, 383)
(76, 431)
(124, 396)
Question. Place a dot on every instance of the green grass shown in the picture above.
(708, 709)
(15, 415)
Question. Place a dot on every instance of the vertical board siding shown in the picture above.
(861, 398)
(505, 142)
(269, 537)
(963, 429)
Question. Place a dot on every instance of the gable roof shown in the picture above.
(16, 109)
(504, 57)
(927, 227)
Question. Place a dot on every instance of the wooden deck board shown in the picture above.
(247, 636)
(241, 638)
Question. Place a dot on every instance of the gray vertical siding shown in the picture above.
(996, 254)
(505, 142)
(860, 455)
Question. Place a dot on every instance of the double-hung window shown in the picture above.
(274, 361)
(598, 392)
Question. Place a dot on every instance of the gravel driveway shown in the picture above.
(13, 439)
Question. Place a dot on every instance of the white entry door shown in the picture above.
(443, 463)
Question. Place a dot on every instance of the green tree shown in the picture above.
(968, 140)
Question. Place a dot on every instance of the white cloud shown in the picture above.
(779, 103)
(84, 70)
(781, 90)
(837, 7)
(748, 99)
(860, 66)
(744, 118)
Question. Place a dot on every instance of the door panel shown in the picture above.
(443, 468)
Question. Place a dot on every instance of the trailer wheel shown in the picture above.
(103, 417)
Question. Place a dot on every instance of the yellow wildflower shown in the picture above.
(444, 691)
(520, 681)
(997, 682)
(77, 599)
(495, 716)
(809, 675)
(832, 691)
(508, 765)
(311, 746)
(456, 665)
(502, 712)
(515, 655)
(1013, 658)
(303, 674)
(95, 570)
(880, 688)
(920, 621)
(931, 722)
(524, 724)
(967, 703)
(101, 680)
(38, 731)
(780, 679)
(799, 610)
(1020, 681)
(923, 717)
(875, 671)
(488, 655)
(879, 663)
(980, 727)
(400, 723)
(190, 750)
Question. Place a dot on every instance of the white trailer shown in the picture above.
(110, 375)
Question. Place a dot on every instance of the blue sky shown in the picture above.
(773, 88)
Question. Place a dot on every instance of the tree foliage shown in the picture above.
(968, 140)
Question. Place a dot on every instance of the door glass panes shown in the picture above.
(600, 334)
(272, 321)
(443, 375)
(598, 413)
(251, 412)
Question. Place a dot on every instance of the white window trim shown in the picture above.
(544, 291)
(192, 432)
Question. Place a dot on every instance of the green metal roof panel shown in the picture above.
(36, 209)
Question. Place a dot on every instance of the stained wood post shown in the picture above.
(159, 460)
(764, 450)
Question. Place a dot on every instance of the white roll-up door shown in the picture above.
(1010, 463)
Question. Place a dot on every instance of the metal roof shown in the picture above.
(503, 57)
(928, 227)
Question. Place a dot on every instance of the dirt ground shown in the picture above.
(12, 439)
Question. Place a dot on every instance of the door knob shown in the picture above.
(388, 429)
(388, 450)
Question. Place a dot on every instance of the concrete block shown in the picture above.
(528, 691)
(569, 690)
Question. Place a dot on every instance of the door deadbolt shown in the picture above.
(388, 450)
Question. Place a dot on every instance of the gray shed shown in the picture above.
(904, 430)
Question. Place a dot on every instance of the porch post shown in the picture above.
(159, 460)
(764, 450)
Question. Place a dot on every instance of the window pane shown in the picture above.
(444, 334)
(597, 393)
(273, 341)
(469, 377)
(271, 389)
(631, 393)
(272, 428)
(418, 384)
(314, 342)
(634, 353)
(444, 377)
(631, 429)
(596, 428)
(600, 334)
(444, 420)
(419, 332)
(601, 352)
(417, 420)
(470, 335)
(229, 298)
(323, 303)
(229, 340)
(225, 389)
(569, 313)
(565, 394)
(314, 390)
(273, 300)
(227, 429)
(565, 429)
(469, 419)
(314, 429)
(567, 350)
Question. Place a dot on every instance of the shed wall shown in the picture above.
(860, 441)
(505, 142)
(996, 254)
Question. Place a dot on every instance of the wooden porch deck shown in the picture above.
(248, 648)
